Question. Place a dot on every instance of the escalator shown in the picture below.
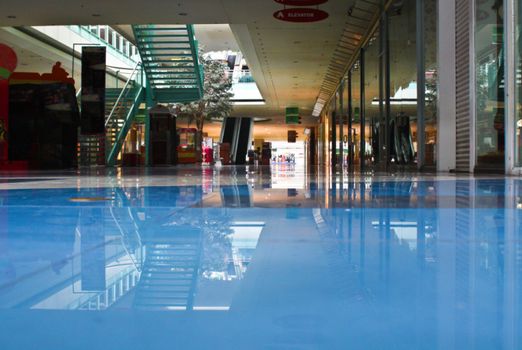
(243, 140)
(237, 133)
(402, 142)
(229, 126)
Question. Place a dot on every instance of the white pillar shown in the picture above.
(446, 110)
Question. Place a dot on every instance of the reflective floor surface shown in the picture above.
(258, 258)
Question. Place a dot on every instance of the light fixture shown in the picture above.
(248, 103)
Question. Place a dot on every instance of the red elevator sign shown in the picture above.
(301, 2)
(301, 15)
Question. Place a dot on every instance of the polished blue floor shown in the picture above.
(243, 259)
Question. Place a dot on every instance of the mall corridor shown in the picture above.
(259, 258)
(261, 174)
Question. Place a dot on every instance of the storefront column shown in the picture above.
(341, 123)
(362, 114)
(333, 133)
(350, 120)
(446, 111)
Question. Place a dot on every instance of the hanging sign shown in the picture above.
(301, 2)
(301, 15)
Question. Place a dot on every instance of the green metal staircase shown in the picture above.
(169, 56)
(170, 63)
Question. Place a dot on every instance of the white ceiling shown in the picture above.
(288, 60)
(216, 37)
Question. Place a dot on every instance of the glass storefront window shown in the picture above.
(373, 123)
(403, 81)
(518, 83)
(355, 133)
(431, 87)
(489, 89)
(339, 116)
(345, 124)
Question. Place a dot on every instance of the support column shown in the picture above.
(362, 114)
(446, 109)
(350, 120)
(333, 133)
(149, 102)
(341, 123)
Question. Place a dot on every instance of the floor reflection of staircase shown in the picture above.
(170, 273)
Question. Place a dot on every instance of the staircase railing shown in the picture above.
(195, 56)
(124, 93)
(120, 117)
(122, 132)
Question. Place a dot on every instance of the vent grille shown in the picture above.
(464, 113)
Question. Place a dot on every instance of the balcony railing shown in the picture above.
(240, 76)
(112, 39)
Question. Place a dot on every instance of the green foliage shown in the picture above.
(432, 95)
(215, 103)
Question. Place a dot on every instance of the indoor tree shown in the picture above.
(215, 103)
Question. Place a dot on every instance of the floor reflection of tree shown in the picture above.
(216, 246)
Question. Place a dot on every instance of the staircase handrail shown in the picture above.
(119, 136)
(195, 56)
(122, 234)
(122, 93)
